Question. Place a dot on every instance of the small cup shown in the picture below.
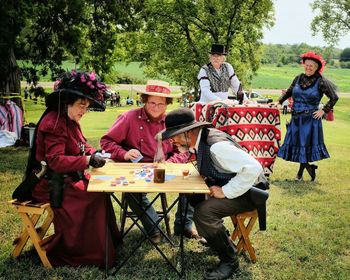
(159, 175)
(185, 173)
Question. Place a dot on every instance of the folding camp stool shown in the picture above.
(124, 213)
(30, 213)
(243, 225)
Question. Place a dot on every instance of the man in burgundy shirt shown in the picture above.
(134, 134)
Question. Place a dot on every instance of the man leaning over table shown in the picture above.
(134, 135)
(229, 173)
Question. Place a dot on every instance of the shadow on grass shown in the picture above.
(295, 188)
(147, 264)
(28, 266)
(14, 159)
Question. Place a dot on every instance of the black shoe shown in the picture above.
(156, 238)
(193, 234)
(299, 176)
(311, 169)
(223, 270)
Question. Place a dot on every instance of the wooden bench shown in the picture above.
(30, 213)
(243, 225)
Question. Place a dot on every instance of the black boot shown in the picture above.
(299, 176)
(311, 169)
(224, 270)
(229, 263)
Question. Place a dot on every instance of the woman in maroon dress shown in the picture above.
(79, 216)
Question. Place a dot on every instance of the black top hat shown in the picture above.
(218, 49)
(86, 85)
(179, 121)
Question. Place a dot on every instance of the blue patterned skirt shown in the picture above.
(304, 140)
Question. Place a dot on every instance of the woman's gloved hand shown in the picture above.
(96, 161)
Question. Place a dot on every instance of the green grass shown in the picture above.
(272, 77)
(267, 77)
(132, 68)
(308, 229)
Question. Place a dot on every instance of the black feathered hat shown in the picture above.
(86, 85)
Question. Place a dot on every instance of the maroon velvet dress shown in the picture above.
(80, 223)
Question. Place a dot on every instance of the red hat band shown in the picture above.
(157, 88)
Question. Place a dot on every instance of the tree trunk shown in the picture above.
(10, 78)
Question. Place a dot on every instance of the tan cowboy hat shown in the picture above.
(157, 88)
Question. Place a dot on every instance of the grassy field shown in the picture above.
(268, 76)
(308, 229)
(272, 77)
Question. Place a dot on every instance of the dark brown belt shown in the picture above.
(305, 113)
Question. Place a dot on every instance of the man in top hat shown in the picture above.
(216, 77)
(133, 136)
(229, 172)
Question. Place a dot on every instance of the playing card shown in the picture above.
(104, 155)
(137, 159)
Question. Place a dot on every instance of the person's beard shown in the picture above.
(183, 148)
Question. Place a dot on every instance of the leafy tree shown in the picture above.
(178, 34)
(272, 53)
(12, 14)
(345, 55)
(47, 32)
(333, 19)
(290, 54)
(345, 58)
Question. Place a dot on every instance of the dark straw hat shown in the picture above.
(218, 49)
(179, 121)
(86, 85)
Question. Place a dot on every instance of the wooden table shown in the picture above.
(103, 180)
(193, 184)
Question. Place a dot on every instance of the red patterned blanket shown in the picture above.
(255, 128)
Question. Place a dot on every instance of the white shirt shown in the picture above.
(227, 158)
(207, 95)
(285, 102)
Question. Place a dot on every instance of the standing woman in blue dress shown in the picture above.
(304, 141)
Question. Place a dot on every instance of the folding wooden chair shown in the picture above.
(30, 213)
(127, 214)
(243, 225)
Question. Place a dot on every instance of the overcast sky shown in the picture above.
(292, 25)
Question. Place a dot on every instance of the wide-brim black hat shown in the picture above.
(82, 84)
(58, 96)
(180, 121)
(218, 49)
